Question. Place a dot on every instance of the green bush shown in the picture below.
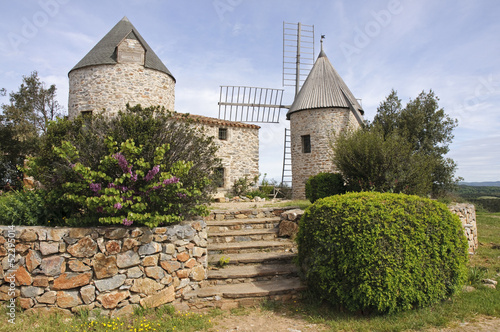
(381, 252)
(148, 129)
(323, 185)
(23, 208)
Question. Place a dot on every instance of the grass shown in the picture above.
(160, 319)
(301, 204)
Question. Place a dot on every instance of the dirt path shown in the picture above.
(256, 320)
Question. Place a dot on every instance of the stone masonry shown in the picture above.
(239, 152)
(111, 87)
(114, 269)
(320, 124)
(467, 214)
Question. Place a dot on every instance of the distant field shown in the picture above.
(486, 197)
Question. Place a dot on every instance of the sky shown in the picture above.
(449, 46)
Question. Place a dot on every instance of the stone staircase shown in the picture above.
(247, 260)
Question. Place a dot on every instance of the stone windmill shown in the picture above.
(322, 105)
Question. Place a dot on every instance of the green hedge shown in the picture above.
(323, 185)
(381, 252)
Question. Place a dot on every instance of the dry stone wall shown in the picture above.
(111, 87)
(110, 268)
(320, 124)
(467, 214)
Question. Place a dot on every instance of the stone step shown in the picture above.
(247, 290)
(239, 224)
(243, 235)
(252, 258)
(250, 246)
(252, 271)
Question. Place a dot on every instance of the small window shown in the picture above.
(306, 144)
(87, 113)
(219, 177)
(223, 134)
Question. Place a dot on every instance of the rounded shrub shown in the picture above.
(381, 252)
(324, 185)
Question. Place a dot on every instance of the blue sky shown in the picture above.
(448, 46)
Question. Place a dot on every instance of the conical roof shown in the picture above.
(104, 52)
(324, 88)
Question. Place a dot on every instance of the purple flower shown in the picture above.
(127, 222)
(100, 209)
(133, 177)
(151, 174)
(117, 206)
(95, 187)
(122, 161)
(173, 179)
(112, 185)
(181, 195)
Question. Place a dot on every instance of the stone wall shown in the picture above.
(320, 124)
(467, 214)
(110, 268)
(111, 87)
(239, 153)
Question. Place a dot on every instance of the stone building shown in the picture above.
(323, 106)
(122, 68)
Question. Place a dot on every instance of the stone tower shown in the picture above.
(120, 69)
(324, 105)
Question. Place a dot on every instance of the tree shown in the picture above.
(402, 150)
(31, 108)
(22, 122)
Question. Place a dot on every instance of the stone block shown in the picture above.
(149, 248)
(68, 299)
(49, 248)
(110, 283)
(53, 266)
(77, 266)
(127, 259)
(154, 272)
(113, 247)
(111, 300)
(145, 286)
(47, 297)
(88, 294)
(165, 296)
(72, 280)
(85, 247)
(104, 266)
(170, 266)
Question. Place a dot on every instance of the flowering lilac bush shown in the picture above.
(126, 189)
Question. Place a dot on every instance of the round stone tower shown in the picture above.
(323, 106)
(120, 69)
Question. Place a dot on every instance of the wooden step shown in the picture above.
(249, 258)
(252, 271)
(249, 246)
(252, 289)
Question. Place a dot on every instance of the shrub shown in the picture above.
(242, 186)
(125, 188)
(324, 185)
(147, 129)
(381, 252)
(24, 208)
